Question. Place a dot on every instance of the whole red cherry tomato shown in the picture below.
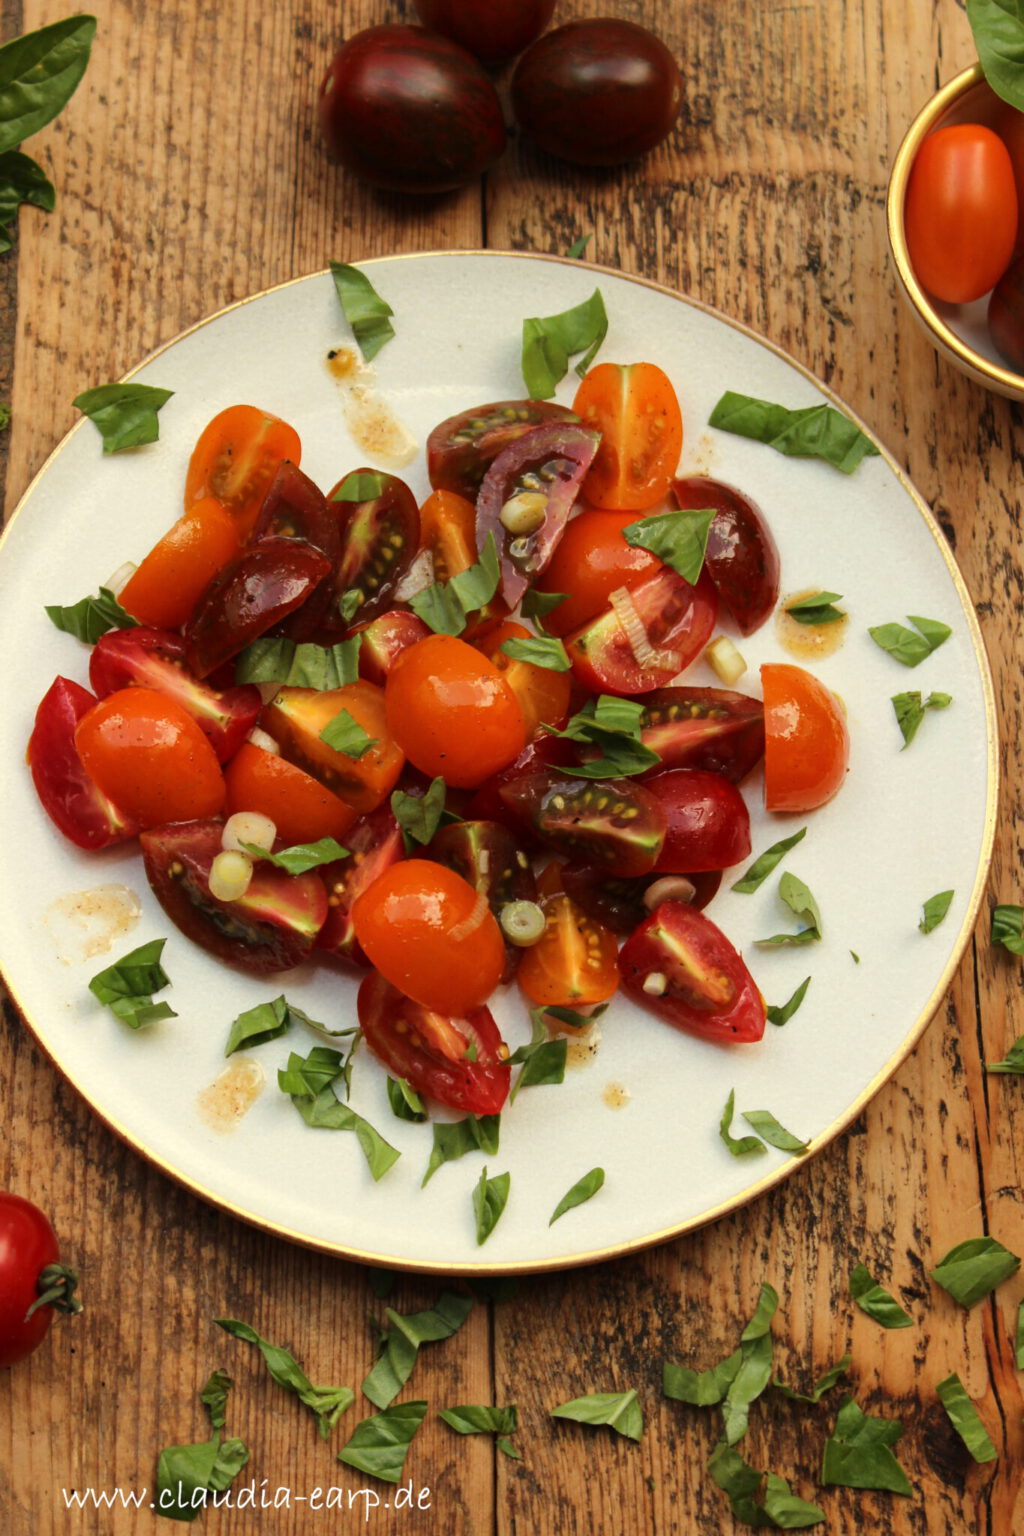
(33, 1282)
(960, 212)
(492, 30)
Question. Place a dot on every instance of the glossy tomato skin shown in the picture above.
(1009, 124)
(262, 586)
(742, 558)
(170, 580)
(74, 803)
(635, 409)
(28, 1247)
(374, 844)
(620, 904)
(492, 32)
(541, 753)
(677, 620)
(302, 810)
(295, 508)
(591, 561)
(379, 538)
(597, 92)
(149, 756)
(542, 693)
(236, 458)
(297, 718)
(960, 212)
(458, 1061)
(712, 728)
(1006, 314)
(807, 743)
(708, 821)
(615, 824)
(410, 111)
(707, 988)
(452, 712)
(487, 855)
(384, 640)
(460, 448)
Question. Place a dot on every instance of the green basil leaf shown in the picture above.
(973, 1268)
(577, 249)
(401, 1340)
(326, 1403)
(776, 1135)
(91, 617)
(124, 414)
(549, 343)
(704, 1389)
(490, 1198)
(782, 1015)
(300, 857)
(475, 586)
(539, 651)
(379, 1444)
(214, 1397)
(454, 1138)
(755, 1367)
(762, 867)
(23, 181)
(816, 431)
(344, 734)
(38, 76)
(781, 1508)
(183, 1474)
(543, 1061)
(232, 1456)
(904, 645)
(823, 1384)
(257, 1026)
(364, 309)
(998, 28)
(935, 909)
(614, 725)
(127, 986)
(308, 1075)
(419, 816)
(876, 1301)
(858, 1454)
(1013, 1060)
(439, 608)
(678, 538)
(739, 1146)
(621, 1411)
(583, 1190)
(802, 904)
(299, 665)
(568, 1016)
(475, 1419)
(910, 709)
(361, 485)
(405, 1102)
(537, 605)
(1008, 928)
(507, 1448)
(326, 1112)
(817, 609)
(965, 1419)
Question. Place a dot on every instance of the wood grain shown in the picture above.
(190, 173)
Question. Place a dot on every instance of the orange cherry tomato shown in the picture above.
(151, 758)
(807, 744)
(237, 456)
(960, 212)
(301, 809)
(635, 409)
(297, 719)
(543, 694)
(452, 711)
(448, 531)
(575, 961)
(165, 588)
(592, 560)
(431, 935)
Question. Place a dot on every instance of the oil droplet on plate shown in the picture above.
(808, 642)
(231, 1095)
(581, 1046)
(376, 428)
(616, 1096)
(84, 924)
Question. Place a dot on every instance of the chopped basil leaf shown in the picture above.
(614, 725)
(763, 866)
(91, 617)
(349, 604)
(542, 1061)
(910, 708)
(299, 665)
(678, 538)
(326, 1403)
(505, 1445)
(999, 41)
(964, 1418)
(540, 651)
(823, 1384)
(380, 1443)
(187, 1474)
(267, 1021)
(817, 609)
(1013, 1060)
(445, 606)
(907, 647)
(360, 485)
(876, 1301)
(364, 309)
(583, 1190)
(782, 1015)
(405, 1102)
(214, 1397)
(401, 1340)
(307, 1075)
(813, 432)
(344, 734)
(454, 1138)
(439, 608)
(935, 909)
(578, 247)
(474, 1419)
(490, 1198)
(776, 1135)
(974, 1268)
(549, 343)
(739, 1146)
(621, 1411)
(39, 72)
(858, 1454)
(537, 605)
(755, 1367)
(300, 857)
(22, 181)
(568, 1016)
(704, 1389)
(856, 957)
(310, 1083)
(127, 986)
(803, 906)
(419, 816)
(1008, 928)
(125, 414)
(781, 1507)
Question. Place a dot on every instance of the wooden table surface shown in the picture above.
(190, 173)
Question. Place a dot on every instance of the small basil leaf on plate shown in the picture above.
(739, 1146)
(911, 646)
(326, 1403)
(973, 1268)
(965, 1419)
(401, 1341)
(583, 1190)
(704, 1389)
(783, 1013)
(549, 343)
(859, 1454)
(934, 910)
(258, 1025)
(300, 857)
(91, 617)
(1008, 927)
(299, 665)
(620, 1411)
(405, 1102)
(344, 734)
(818, 608)
(127, 986)
(124, 414)
(680, 539)
(815, 431)
(489, 1200)
(307, 1075)
(419, 816)
(910, 709)
(802, 904)
(542, 1061)
(876, 1301)
(39, 73)
(762, 867)
(824, 1383)
(214, 1397)
(326, 1112)
(379, 1444)
(364, 309)
(479, 1419)
(454, 1138)
(540, 651)
(776, 1135)
(1013, 1061)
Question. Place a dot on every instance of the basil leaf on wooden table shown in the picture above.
(401, 1342)
(326, 1403)
(755, 1368)
(214, 1397)
(859, 1453)
(704, 1389)
(1008, 927)
(971, 1270)
(1013, 1062)
(824, 1383)
(965, 1419)
(781, 1508)
(379, 1444)
(876, 1301)
(620, 1411)
(474, 1419)
(39, 73)
(186, 1475)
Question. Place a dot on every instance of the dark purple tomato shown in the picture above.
(492, 30)
(1006, 315)
(712, 728)
(255, 591)
(460, 449)
(741, 559)
(295, 508)
(616, 825)
(410, 111)
(597, 92)
(622, 905)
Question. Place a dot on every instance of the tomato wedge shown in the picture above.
(297, 719)
(807, 743)
(635, 409)
(258, 589)
(646, 635)
(542, 693)
(574, 963)
(302, 810)
(236, 458)
(374, 844)
(150, 757)
(712, 728)
(73, 802)
(742, 558)
(460, 449)
(680, 966)
(171, 579)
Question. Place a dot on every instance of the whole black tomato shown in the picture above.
(597, 92)
(492, 30)
(1006, 315)
(410, 111)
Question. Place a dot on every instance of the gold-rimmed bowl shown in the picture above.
(959, 332)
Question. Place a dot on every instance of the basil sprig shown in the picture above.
(91, 617)
(127, 986)
(934, 910)
(310, 1083)
(454, 1138)
(583, 1190)
(364, 309)
(549, 343)
(490, 1198)
(380, 1444)
(680, 539)
(125, 415)
(965, 1419)
(859, 1454)
(401, 1341)
(816, 431)
(302, 664)
(327, 1404)
(911, 646)
(620, 1411)
(998, 29)
(762, 867)
(911, 708)
(972, 1269)
(780, 1507)
(876, 1301)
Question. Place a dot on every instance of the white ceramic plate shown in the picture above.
(906, 825)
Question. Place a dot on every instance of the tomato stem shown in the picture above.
(55, 1285)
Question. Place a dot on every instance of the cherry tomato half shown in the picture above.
(144, 751)
(297, 718)
(302, 810)
(636, 411)
(236, 458)
(67, 793)
(374, 844)
(248, 596)
(742, 558)
(543, 693)
(646, 636)
(708, 821)
(712, 728)
(460, 448)
(615, 824)
(678, 965)
(29, 1270)
(960, 212)
(171, 579)
(807, 744)
(591, 562)
(574, 963)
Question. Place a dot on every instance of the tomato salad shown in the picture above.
(446, 747)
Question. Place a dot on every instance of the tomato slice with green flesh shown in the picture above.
(302, 810)
(297, 718)
(461, 448)
(807, 743)
(271, 928)
(549, 464)
(459, 1061)
(620, 904)
(668, 622)
(73, 802)
(149, 756)
(487, 856)
(374, 844)
(708, 821)
(574, 962)
(295, 508)
(155, 658)
(542, 693)
(712, 728)
(384, 640)
(379, 538)
(742, 558)
(679, 966)
(168, 583)
(542, 753)
(236, 458)
(264, 584)
(635, 410)
(615, 824)
(591, 562)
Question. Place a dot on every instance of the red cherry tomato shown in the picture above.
(237, 456)
(807, 744)
(708, 821)
(30, 1269)
(374, 844)
(150, 757)
(678, 965)
(431, 935)
(492, 32)
(73, 802)
(616, 824)
(591, 562)
(635, 410)
(644, 638)
(742, 558)
(452, 712)
(960, 212)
